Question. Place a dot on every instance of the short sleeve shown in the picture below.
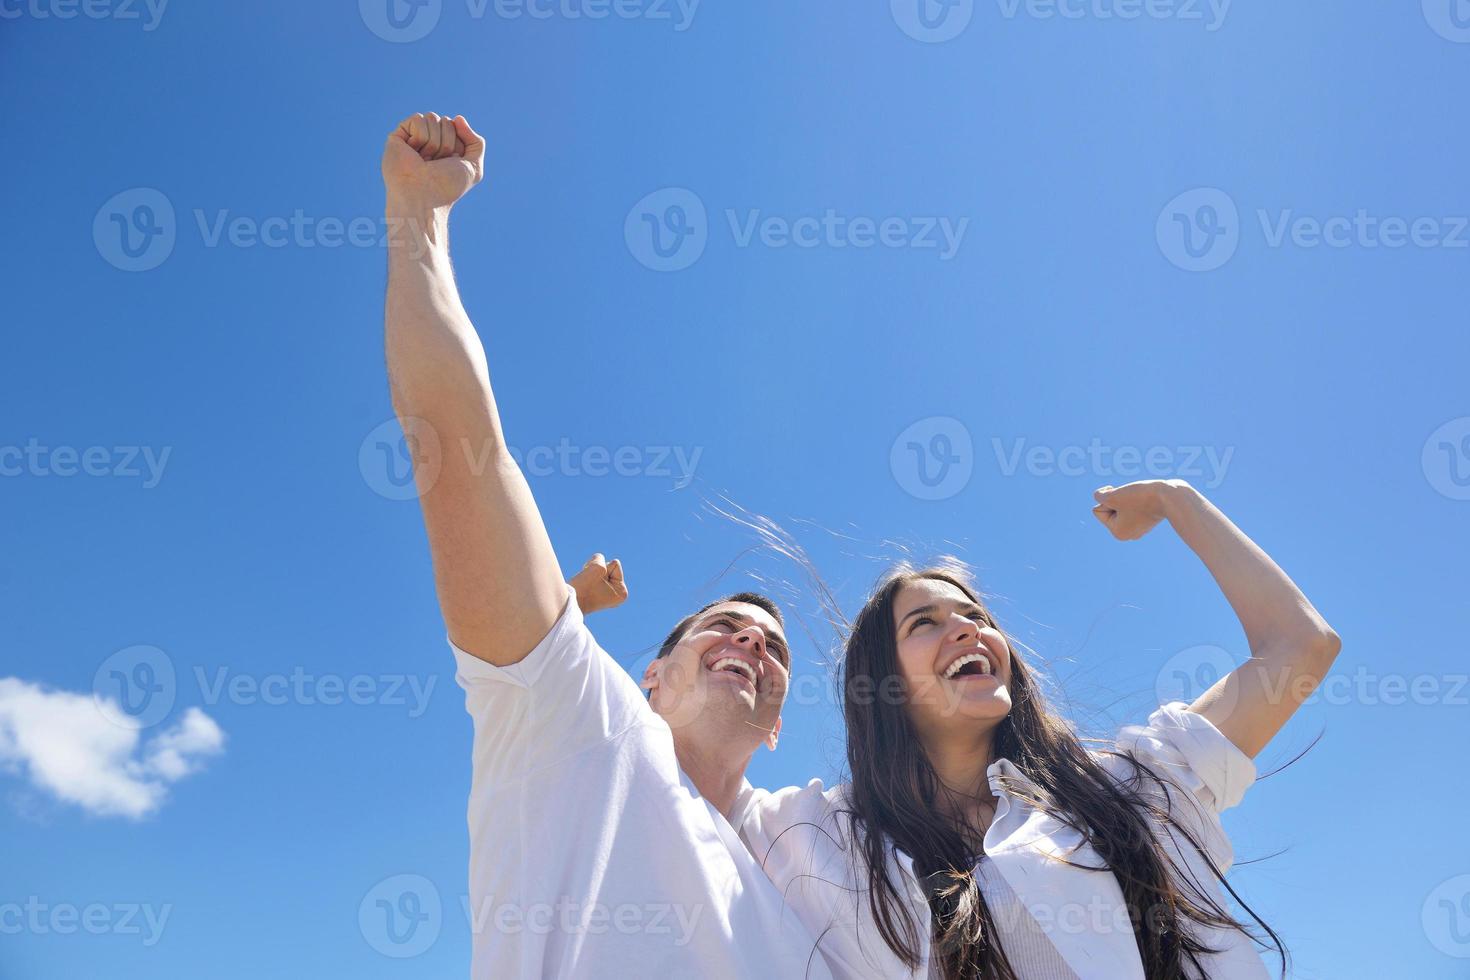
(565, 696)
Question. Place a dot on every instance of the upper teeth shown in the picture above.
(969, 658)
(724, 663)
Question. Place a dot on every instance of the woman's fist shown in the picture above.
(1132, 511)
(430, 161)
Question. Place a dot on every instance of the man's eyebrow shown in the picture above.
(724, 614)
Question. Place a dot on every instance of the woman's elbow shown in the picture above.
(1325, 644)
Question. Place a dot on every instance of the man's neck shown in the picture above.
(717, 771)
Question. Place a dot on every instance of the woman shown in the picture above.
(979, 838)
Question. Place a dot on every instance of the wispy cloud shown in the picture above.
(65, 746)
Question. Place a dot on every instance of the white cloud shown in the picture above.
(66, 746)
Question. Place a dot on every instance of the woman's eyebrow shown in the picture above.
(968, 610)
(914, 612)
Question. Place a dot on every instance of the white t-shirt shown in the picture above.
(806, 847)
(591, 854)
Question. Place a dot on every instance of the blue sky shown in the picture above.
(1223, 242)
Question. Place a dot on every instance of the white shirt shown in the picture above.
(591, 855)
(1028, 948)
(806, 850)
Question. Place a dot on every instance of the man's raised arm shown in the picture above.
(499, 584)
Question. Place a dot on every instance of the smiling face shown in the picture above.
(955, 664)
(725, 677)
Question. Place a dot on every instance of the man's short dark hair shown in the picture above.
(750, 598)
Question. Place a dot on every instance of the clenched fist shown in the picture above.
(430, 161)
(1133, 510)
(599, 585)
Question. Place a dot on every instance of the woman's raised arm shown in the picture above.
(1291, 645)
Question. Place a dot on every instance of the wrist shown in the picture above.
(1173, 495)
(415, 226)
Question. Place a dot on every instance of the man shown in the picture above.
(599, 846)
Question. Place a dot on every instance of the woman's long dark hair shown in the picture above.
(897, 801)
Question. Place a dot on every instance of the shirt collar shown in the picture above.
(1004, 768)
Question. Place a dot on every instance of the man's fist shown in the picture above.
(430, 161)
(599, 585)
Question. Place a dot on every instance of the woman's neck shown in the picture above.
(960, 763)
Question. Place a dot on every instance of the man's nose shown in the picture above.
(753, 638)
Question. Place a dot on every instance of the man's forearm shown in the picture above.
(436, 363)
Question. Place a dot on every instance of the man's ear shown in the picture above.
(775, 734)
(650, 675)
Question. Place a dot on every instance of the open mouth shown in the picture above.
(734, 665)
(970, 665)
